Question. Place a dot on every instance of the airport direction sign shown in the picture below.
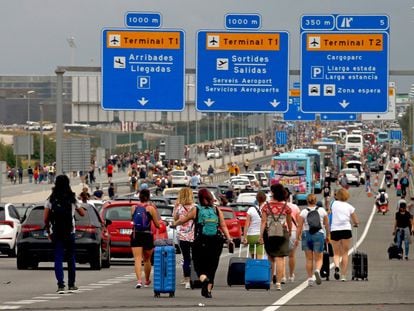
(242, 71)
(243, 21)
(395, 135)
(281, 137)
(143, 69)
(390, 114)
(344, 63)
(294, 113)
(143, 19)
(338, 117)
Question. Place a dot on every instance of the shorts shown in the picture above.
(341, 235)
(253, 240)
(142, 239)
(109, 174)
(313, 242)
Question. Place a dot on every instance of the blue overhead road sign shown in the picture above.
(294, 113)
(395, 135)
(281, 137)
(143, 69)
(143, 19)
(242, 71)
(338, 116)
(243, 21)
(344, 66)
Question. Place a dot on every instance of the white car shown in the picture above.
(240, 183)
(352, 175)
(214, 154)
(252, 177)
(180, 178)
(10, 227)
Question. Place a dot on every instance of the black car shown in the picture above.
(374, 166)
(92, 240)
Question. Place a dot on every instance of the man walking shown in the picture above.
(59, 222)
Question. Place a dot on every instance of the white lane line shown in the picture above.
(9, 307)
(285, 299)
(47, 297)
(25, 302)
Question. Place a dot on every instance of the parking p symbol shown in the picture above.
(316, 72)
(143, 82)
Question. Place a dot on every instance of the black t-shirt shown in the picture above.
(403, 220)
(326, 191)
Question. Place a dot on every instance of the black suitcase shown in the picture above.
(395, 252)
(194, 280)
(235, 273)
(325, 271)
(359, 262)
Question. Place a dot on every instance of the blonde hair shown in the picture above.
(342, 195)
(185, 196)
(311, 199)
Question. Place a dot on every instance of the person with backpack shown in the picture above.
(343, 216)
(208, 242)
(404, 184)
(142, 239)
(276, 213)
(185, 232)
(403, 228)
(59, 220)
(381, 199)
(251, 232)
(313, 231)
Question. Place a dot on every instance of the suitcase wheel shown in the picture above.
(172, 295)
(156, 295)
(327, 278)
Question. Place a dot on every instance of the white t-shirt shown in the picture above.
(304, 215)
(341, 215)
(255, 221)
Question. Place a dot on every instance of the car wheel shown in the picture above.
(34, 264)
(106, 263)
(96, 262)
(21, 262)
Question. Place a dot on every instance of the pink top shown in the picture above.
(185, 232)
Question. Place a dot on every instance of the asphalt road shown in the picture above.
(390, 284)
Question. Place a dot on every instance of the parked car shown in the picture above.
(233, 224)
(352, 175)
(9, 229)
(92, 240)
(357, 165)
(180, 178)
(374, 166)
(120, 229)
(214, 154)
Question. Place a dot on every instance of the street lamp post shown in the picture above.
(29, 145)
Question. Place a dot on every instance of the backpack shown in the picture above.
(134, 180)
(382, 197)
(404, 181)
(141, 218)
(61, 218)
(162, 183)
(314, 220)
(207, 221)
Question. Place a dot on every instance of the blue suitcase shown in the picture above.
(164, 270)
(257, 274)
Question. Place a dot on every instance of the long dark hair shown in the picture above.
(62, 190)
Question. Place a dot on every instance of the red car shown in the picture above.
(233, 224)
(240, 209)
(119, 212)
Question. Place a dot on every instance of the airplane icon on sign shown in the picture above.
(314, 42)
(119, 61)
(114, 40)
(213, 41)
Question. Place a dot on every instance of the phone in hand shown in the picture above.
(231, 247)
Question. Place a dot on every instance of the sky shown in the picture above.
(34, 32)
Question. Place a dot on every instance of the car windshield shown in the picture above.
(118, 213)
(240, 208)
(228, 214)
(178, 173)
(350, 171)
(36, 216)
(90, 217)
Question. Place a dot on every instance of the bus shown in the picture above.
(328, 150)
(354, 142)
(318, 166)
(382, 137)
(293, 171)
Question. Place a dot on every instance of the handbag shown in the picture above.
(275, 228)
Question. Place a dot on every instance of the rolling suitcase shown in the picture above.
(395, 252)
(359, 262)
(257, 273)
(164, 270)
(194, 280)
(235, 272)
(325, 270)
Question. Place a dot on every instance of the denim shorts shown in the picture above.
(313, 242)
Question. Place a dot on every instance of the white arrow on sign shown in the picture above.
(274, 103)
(209, 102)
(143, 101)
(344, 103)
(325, 116)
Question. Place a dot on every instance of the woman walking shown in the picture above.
(277, 247)
(142, 240)
(313, 236)
(208, 242)
(251, 231)
(343, 216)
(185, 232)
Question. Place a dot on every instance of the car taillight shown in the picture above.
(29, 228)
(7, 223)
(88, 229)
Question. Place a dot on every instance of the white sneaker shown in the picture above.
(187, 285)
(283, 280)
(292, 278)
(343, 278)
(310, 282)
(278, 286)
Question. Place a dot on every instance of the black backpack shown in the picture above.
(382, 197)
(61, 218)
(314, 220)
